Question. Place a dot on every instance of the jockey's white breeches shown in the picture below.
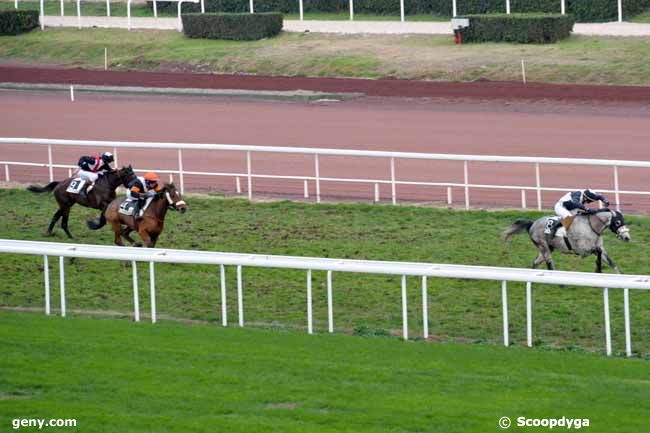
(88, 175)
(563, 212)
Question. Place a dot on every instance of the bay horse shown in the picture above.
(584, 237)
(153, 220)
(99, 197)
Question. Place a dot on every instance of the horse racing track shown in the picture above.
(188, 373)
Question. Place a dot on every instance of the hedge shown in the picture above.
(520, 28)
(582, 10)
(235, 26)
(13, 22)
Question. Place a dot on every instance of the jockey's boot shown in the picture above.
(138, 212)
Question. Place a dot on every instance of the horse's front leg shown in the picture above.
(610, 262)
(599, 260)
(146, 239)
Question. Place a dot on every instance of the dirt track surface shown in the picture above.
(609, 131)
(400, 88)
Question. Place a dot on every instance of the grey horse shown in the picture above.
(584, 237)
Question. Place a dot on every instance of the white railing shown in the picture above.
(309, 264)
(317, 179)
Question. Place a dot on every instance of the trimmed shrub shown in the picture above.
(13, 22)
(520, 28)
(239, 27)
(582, 10)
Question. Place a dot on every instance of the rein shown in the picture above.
(604, 226)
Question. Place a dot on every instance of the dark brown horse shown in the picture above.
(99, 197)
(150, 226)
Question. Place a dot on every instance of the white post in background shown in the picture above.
(626, 307)
(620, 11)
(305, 188)
(523, 199)
(224, 310)
(136, 295)
(401, 10)
(106, 69)
(504, 300)
(450, 197)
(351, 9)
(466, 177)
(250, 4)
(42, 6)
(16, 4)
(202, 6)
(538, 183)
(71, 93)
(300, 6)
(425, 309)
(563, 7)
(248, 174)
(152, 291)
(240, 297)
(62, 9)
(108, 8)
(529, 314)
(330, 313)
(616, 190)
(128, 14)
(180, 170)
(7, 178)
(508, 7)
(155, 9)
(523, 71)
(392, 180)
(454, 10)
(405, 323)
(49, 162)
(608, 330)
(46, 273)
(62, 285)
(310, 324)
(79, 13)
(317, 175)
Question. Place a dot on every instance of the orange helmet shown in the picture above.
(151, 177)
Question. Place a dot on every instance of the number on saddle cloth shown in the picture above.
(128, 207)
(76, 185)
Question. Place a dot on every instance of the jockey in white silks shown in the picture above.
(568, 206)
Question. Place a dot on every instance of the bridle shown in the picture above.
(173, 205)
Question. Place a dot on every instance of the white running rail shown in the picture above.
(391, 178)
(309, 264)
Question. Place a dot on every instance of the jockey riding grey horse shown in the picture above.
(583, 238)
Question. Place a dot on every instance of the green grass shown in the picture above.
(643, 18)
(462, 310)
(116, 376)
(579, 59)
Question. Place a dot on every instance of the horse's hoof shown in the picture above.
(137, 244)
(49, 234)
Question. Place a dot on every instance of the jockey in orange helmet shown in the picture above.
(142, 189)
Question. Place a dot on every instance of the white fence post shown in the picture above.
(79, 13)
(136, 295)
(180, 170)
(620, 11)
(108, 8)
(405, 323)
(42, 12)
(608, 330)
(401, 10)
(504, 301)
(563, 7)
(449, 196)
(626, 307)
(466, 180)
(616, 189)
(351, 10)
(7, 178)
(224, 310)
(46, 274)
(305, 188)
(425, 309)
(317, 175)
(330, 312)
(529, 314)
(454, 10)
(152, 291)
(523, 199)
(249, 175)
(240, 296)
(62, 285)
(392, 181)
(49, 162)
(376, 193)
(310, 324)
(62, 8)
(508, 7)
(155, 8)
(250, 5)
(538, 183)
(300, 6)
(202, 6)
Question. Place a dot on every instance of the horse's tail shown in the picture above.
(40, 189)
(96, 225)
(516, 228)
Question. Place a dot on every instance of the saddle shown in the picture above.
(76, 185)
(128, 207)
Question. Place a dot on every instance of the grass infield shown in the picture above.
(567, 318)
(117, 376)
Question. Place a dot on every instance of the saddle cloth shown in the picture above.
(76, 185)
(127, 207)
(561, 231)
